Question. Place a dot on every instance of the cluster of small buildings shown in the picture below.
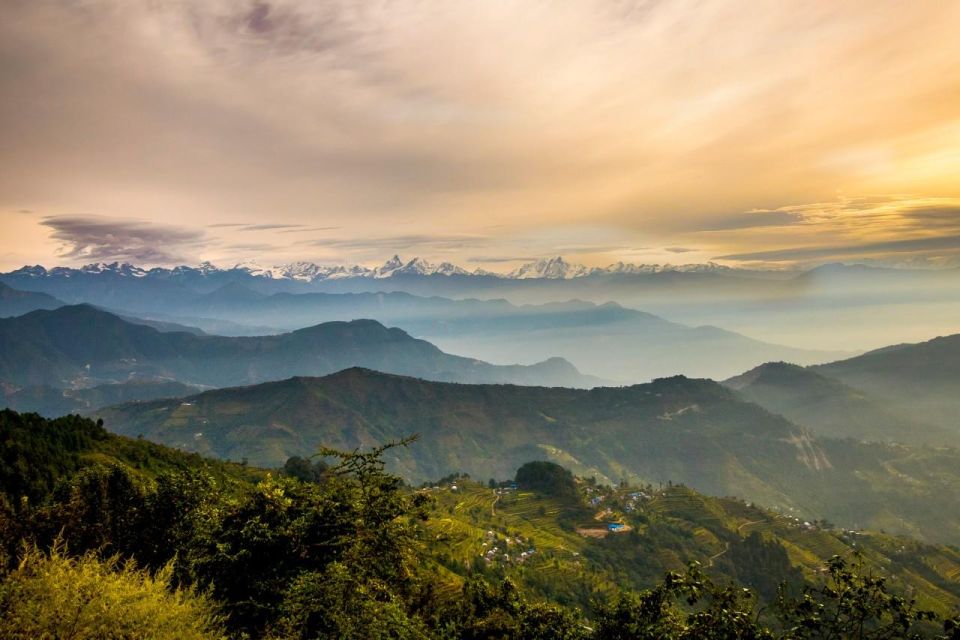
(514, 550)
(505, 488)
(630, 503)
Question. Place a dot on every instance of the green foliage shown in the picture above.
(356, 524)
(353, 553)
(693, 431)
(485, 611)
(34, 452)
(304, 470)
(853, 604)
(762, 565)
(547, 478)
(711, 612)
(87, 598)
(338, 602)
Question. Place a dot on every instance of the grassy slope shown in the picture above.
(675, 526)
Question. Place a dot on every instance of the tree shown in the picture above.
(304, 470)
(485, 611)
(547, 478)
(711, 612)
(852, 604)
(281, 545)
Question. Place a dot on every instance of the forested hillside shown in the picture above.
(350, 552)
(692, 431)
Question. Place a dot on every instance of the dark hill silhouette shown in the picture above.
(80, 345)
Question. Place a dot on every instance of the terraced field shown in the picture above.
(676, 525)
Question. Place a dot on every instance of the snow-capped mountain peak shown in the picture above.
(303, 271)
(417, 267)
(124, 269)
(206, 267)
(556, 268)
(254, 268)
(550, 268)
(450, 269)
(388, 268)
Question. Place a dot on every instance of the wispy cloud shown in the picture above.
(917, 245)
(414, 242)
(395, 119)
(880, 228)
(98, 238)
(499, 259)
(271, 227)
(309, 229)
(750, 219)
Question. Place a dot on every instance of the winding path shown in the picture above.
(727, 547)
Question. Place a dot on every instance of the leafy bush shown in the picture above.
(86, 598)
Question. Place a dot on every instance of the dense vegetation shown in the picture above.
(346, 550)
(675, 429)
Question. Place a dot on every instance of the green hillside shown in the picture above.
(561, 549)
(38, 453)
(831, 408)
(52, 402)
(922, 379)
(236, 552)
(692, 431)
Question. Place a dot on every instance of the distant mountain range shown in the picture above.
(905, 393)
(691, 431)
(834, 409)
(923, 379)
(81, 346)
(864, 306)
(608, 340)
(14, 302)
(549, 268)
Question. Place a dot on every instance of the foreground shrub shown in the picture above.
(86, 598)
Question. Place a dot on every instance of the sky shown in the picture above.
(761, 133)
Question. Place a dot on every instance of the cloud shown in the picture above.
(99, 238)
(657, 119)
(678, 249)
(749, 219)
(940, 243)
(261, 247)
(412, 242)
(244, 226)
(270, 227)
(498, 259)
(876, 228)
(309, 229)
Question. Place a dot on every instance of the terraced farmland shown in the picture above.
(677, 525)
